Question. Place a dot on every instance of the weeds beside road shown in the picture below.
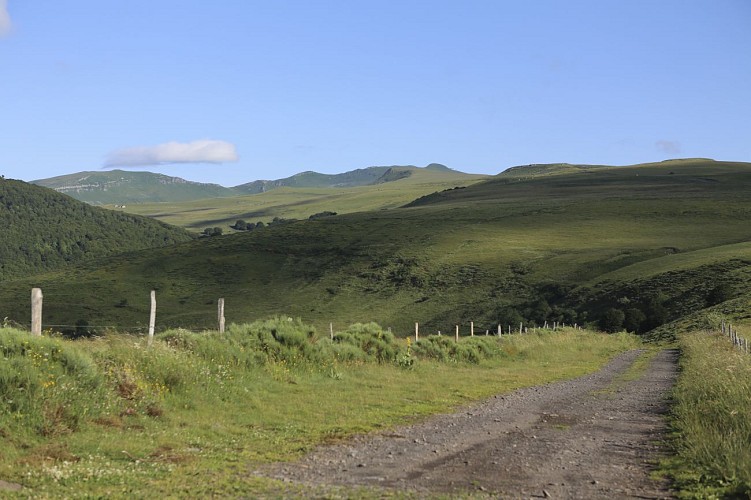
(712, 419)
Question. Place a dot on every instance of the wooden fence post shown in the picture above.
(152, 317)
(331, 331)
(36, 311)
(457, 333)
(220, 314)
(499, 330)
(520, 328)
(471, 328)
(417, 332)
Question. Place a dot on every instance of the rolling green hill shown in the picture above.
(359, 177)
(45, 230)
(121, 187)
(394, 187)
(561, 246)
(353, 178)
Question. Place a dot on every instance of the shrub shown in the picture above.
(467, 350)
(375, 343)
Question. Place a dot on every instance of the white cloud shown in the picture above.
(203, 151)
(4, 18)
(670, 147)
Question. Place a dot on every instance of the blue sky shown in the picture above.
(232, 91)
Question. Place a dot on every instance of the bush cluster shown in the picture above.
(469, 350)
(289, 340)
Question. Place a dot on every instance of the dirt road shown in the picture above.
(592, 437)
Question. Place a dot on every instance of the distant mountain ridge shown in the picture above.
(120, 187)
(359, 177)
(548, 169)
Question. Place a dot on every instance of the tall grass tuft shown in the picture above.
(46, 385)
(712, 418)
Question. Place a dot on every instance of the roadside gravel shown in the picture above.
(596, 436)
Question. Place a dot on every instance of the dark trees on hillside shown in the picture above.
(241, 225)
(719, 294)
(44, 230)
(612, 320)
(321, 215)
(510, 316)
(212, 231)
(633, 320)
(656, 312)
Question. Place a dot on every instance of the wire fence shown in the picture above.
(37, 326)
(740, 343)
(83, 327)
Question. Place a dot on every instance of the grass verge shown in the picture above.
(190, 415)
(711, 420)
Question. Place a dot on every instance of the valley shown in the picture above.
(565, 247)
(325, 308)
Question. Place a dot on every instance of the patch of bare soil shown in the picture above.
(596, 436)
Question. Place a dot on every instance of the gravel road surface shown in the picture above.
(596, 436)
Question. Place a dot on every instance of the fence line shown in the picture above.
(36, 321)
(740, 343)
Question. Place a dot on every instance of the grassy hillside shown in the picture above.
(567, 247)
(122, 187)
(391, 188)
(43, 229)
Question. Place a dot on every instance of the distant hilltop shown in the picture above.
(542, 169)
(121, 187)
